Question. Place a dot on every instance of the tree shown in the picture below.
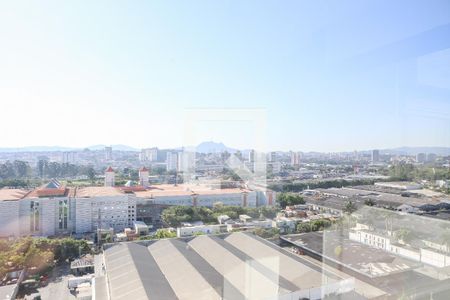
(42, 166)
(349, 207)
(318, 225)
(91, 174)
(21, 168)
(288, 199)
(303, 227)
(369, 202)
(164, 234)
(267, 233)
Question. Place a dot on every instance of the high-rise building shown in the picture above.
(295, 158)
(110, 177)
(272, 157)
(171, 161)
(421, 157)
(108, 153)
(68, 157)
(375, 156)
(251, 156)
(149, 154)
(186, 161)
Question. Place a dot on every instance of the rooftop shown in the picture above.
(12, 194)
(380, 197)
(234, 266)
(182, 189)
(98, 191)
(363, 259)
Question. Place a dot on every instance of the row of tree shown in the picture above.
(21, 170)
(289, 199)
(407, 172)
(175, 215)
(160, 234)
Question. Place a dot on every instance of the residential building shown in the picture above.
(421, 157)
(68, 157)
(295, 158)
(251, 156)
(108, 153)
(149, 154)
(172, 161)
(375, 156)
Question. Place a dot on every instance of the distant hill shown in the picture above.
(58, 148)
(415, 150)
(37, 149)
(218, 147)
(213, 147)
(118, 147)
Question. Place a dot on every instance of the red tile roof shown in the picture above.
(51, 192)
(132, 189)
(109, 169)
(143, 169)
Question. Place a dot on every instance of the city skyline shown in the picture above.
(204, 146)
(330, 76)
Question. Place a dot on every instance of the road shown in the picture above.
(57, 285)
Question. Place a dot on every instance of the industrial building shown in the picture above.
(233, 266)
(54, 209)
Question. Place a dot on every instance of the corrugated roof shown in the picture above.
(237, 266)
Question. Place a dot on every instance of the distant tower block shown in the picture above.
(194, 199)
(143, 177)
(110, 177)
(244, 199)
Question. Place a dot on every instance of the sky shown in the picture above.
(301, 75)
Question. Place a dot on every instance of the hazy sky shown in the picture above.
(329, 75)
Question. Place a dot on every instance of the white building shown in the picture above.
(295, 158)
(433, 254)
(251, 156)
(272, 157)
(110, 176)
(103, 208)
(202, 229)
(421, 157)
(144, 177)
(172, 161)
(400, 185)
(54, 209)
(149, 154)
(186, 162)
(108, 153)
(44, 211)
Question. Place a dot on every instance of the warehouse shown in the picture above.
(232, 266)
